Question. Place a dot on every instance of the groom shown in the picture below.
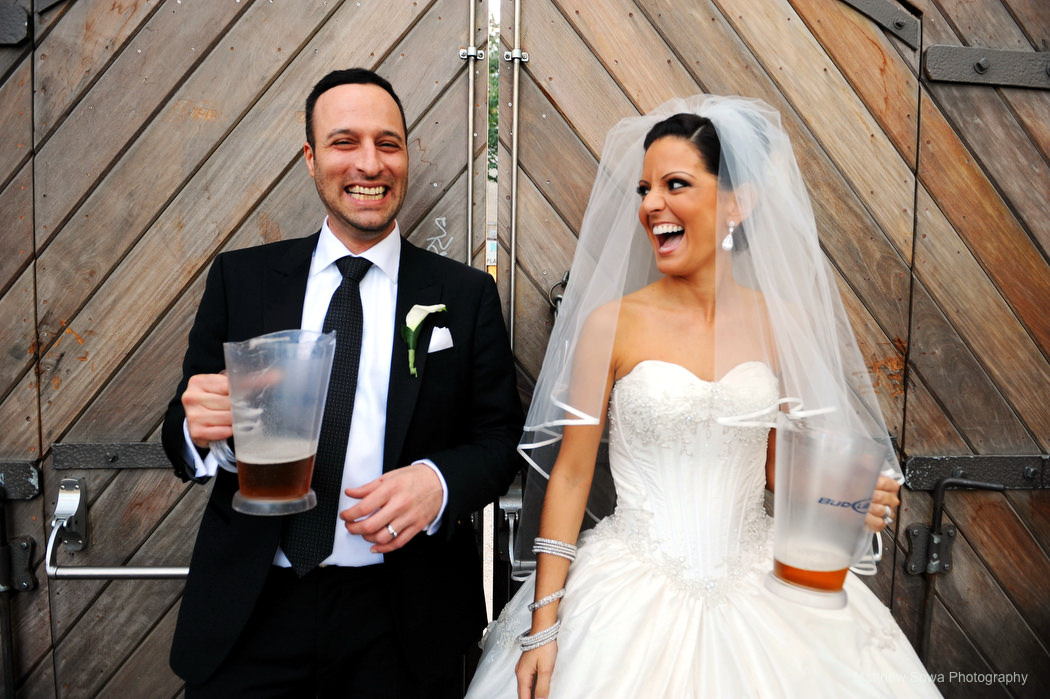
(394, 595)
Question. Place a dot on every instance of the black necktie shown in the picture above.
(308, 535)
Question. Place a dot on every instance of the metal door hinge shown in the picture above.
(963, 64)
(891, 17)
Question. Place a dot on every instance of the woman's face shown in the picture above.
(679, 206)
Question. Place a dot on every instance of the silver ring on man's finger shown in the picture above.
(393, 532)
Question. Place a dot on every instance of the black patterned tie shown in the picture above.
(308, 536)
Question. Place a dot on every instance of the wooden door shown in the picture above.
(140, 139)
(931, 202)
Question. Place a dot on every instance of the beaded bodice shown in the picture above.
(689, 489)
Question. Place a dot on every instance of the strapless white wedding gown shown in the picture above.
(666, 596)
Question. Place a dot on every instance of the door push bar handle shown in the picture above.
(67, 526)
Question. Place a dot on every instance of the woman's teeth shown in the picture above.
(668, 236)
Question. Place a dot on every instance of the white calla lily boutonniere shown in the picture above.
(410, 330)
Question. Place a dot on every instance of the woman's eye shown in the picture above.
(642, 190)
(677, 184)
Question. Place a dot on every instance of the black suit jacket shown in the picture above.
(462, 412)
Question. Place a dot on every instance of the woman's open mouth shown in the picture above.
(668, 236)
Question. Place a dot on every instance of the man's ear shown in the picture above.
(308, 156)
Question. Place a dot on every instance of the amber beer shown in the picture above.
(828, 580)
(275, 479)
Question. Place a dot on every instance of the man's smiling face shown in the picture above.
(359, 162)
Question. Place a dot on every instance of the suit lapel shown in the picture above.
(285, 287)
(415, 285)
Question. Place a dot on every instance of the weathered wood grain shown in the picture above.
(16, 108)
(988, 227)
(1007, 545)
(16, 236)
(104, 120)
(133, 192)
(79, 45)
(146, 672)
(842, 123)
(953, 649)
(972, 303)
(949, 369)
(1004, 149)
(617, 33)
(870, 62)
(585, 91)
(19, 412)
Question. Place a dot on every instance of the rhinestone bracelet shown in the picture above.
(547, 600)
(539, 639)
(554, 547)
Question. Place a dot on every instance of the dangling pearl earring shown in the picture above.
(727, 242)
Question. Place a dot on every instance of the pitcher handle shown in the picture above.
(224, 456)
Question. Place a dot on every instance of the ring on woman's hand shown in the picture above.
(888, 517)
(393, 532)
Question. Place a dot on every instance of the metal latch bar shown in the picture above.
(963, 64)
(67, 526)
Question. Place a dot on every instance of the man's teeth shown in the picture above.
(667, 229)
(366, 192)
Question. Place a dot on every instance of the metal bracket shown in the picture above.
(472, 52)
(68, 526)
(891, 17)
(928, 552)
(962, 64)
(930, 547)
(1023, 472)
(510, 505)
(516, 55)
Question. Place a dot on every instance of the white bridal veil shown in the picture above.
(776, 299)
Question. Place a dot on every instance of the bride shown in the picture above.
(680, 341)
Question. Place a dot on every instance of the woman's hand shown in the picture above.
(884, 503)
(534, 671)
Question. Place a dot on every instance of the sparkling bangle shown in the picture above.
(547, 600)
(554, 547)
(539, 639)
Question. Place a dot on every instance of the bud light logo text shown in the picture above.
(860, 506)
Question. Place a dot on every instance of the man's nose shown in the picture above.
(368, 160)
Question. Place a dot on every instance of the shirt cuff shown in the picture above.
(203, 468)
(436, 524)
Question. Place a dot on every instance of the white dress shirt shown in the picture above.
(364, 452)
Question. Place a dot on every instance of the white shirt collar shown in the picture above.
(386, 254)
